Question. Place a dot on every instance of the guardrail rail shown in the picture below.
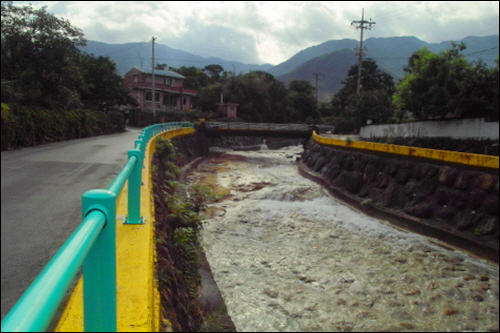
(93, 245)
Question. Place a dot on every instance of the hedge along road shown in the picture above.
(42, 188)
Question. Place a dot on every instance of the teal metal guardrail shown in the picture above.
(92, 244)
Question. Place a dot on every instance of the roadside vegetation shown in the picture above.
(178, 246)
(52, 91)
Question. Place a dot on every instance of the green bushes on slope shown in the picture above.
(28, 126)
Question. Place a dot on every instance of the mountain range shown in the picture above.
(129, 55)
(331, 60)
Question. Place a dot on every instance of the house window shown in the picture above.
(149, 77)
(169, 82)
(149, 94)
(170, 100)
(135, 78)
(184, 100)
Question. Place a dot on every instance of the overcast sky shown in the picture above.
(259, 32)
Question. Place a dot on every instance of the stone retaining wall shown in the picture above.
(462, 201)
(190, 147)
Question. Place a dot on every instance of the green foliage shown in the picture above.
(178, 226)
(446, 84)
(182, 215)
(200, 196)
(214, 71)
(27, 126)
(373, 103)
(103, 86)
(261, 98)
(195, 78)
(39, 52)
(42, 65)
(303, 101)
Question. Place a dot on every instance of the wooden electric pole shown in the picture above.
(361, 25)
(153, 78)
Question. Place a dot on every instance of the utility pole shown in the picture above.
(153, 77)
(362, 25)
(318, 75)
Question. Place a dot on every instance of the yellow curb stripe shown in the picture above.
(476, 160)
(138, 298)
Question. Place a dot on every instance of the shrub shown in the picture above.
(28, 126)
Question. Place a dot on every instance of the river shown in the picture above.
(288, 257)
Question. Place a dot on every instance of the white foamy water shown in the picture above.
(288, 257)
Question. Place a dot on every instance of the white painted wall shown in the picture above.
(461, 128)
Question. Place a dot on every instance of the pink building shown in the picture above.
(169, 93)
(230, 109)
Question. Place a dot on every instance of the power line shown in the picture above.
(480, 51)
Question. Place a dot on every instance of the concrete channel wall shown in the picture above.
(458, 128)
(447, 195)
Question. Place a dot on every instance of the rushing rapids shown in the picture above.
(288, 257)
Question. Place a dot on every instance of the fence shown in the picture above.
(93, 244)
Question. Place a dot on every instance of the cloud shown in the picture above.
(271, 31)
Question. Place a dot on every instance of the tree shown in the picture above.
(195, 78)
(39, 53)
(444, 84)
(372, 78)
(373, 103)
(103, 85)
(303, 101)
(161, 67)
(214, 72)
(260, 96)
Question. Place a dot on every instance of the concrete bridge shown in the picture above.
(299, 131)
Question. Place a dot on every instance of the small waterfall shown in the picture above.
(264, 146)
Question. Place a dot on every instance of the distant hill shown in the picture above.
(334, 58)
(333, 66)
(139, 54)
(311, 53)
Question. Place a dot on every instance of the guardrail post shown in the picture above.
(99, 267)
(134, 190)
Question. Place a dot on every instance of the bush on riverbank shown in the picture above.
(177, 243)
(28, 126)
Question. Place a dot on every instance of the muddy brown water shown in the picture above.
(288, 257)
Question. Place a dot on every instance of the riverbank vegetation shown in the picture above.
(178, 246)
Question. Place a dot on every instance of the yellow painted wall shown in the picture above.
(475, 160)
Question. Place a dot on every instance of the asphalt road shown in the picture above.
(41, 200)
